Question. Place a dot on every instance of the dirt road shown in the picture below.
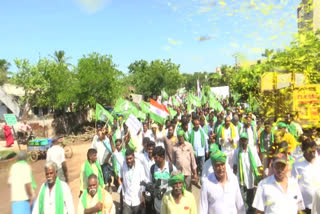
(73, 164)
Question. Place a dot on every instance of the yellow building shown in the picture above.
(308, 14)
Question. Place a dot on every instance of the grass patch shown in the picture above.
(7, 154)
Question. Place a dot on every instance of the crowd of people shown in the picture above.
(241, 163)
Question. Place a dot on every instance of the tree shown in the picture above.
(98, 80)
(268, 53)
(4, 69)
(60, 58)
(150, 78)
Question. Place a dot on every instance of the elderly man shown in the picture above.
(56, 154)
(90, 166)
(220, 193)
(54, 195)
(183, 158)
(307, 172)
(178, 200)
(21, 185)
(95, 199)
(278, 193)
(245, 165)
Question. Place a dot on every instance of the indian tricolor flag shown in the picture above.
(158, 112)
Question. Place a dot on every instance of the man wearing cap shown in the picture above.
(220, 193)
(278, 193)
(178, 200)
(56, 154)
(283, 135)
(207, 167)
(307, 172)
(245, 165)
(184, 160)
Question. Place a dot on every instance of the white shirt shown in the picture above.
(56, 155)
(226, 145)
(147, 133)
(250, 136)
(197, 146)
(271, 199)
(50, 197)
(248, 174)
(216, 198)
(100, 146)
(158, 139)
(147, 163)
(316, 203)
(308, 177)
(131, 179)
(19, 176)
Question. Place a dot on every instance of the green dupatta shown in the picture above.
(88, 171)
(253, 164)
(191, 137)
(59, 202)
(262, 149)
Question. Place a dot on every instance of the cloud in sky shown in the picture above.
(173, 42)
(92, 6)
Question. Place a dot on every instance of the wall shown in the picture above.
(49, 126)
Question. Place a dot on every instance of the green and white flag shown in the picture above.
(102, 114)
(164, 95)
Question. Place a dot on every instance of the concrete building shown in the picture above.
(308, 14)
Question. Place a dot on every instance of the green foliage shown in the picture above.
(99, 80)
(4, 69)
(150, 78)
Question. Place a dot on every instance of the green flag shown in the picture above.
(145, 107)
(175, 101)
(102, 114)
(164, 95)
(157, 118)
(172, 112)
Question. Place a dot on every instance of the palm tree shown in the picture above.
(268, 53)
(4, 67)
(60, 58)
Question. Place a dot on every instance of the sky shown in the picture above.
(199, 35)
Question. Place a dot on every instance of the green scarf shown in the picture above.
(33, 183)
(88, 171)
(252, 163)
(262, 149)
(239, 127)
(84, 198)
(206, 128)
(59, 202)
(293, 130)
(191, 137)
(255, 135)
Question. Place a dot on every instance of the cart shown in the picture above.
(38, 148)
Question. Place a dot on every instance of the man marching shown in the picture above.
(54, 195)
(95, 199)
